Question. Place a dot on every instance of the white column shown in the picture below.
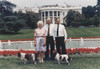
(48, 14)
(53, 20)
(44, 18)
(61, 17)
(57, 14)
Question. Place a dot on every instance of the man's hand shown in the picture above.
(54, 42)
(65, 41)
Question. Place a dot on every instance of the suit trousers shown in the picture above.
(60, 45)
(49, 43)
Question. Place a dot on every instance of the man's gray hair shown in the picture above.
(48, 18)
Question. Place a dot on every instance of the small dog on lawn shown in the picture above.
(62, 57)
(27, 57)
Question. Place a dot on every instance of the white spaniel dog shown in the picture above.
(62, 57)
(27, 57)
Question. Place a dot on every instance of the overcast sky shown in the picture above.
(32, 3)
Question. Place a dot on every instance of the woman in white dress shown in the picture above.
(40, 40)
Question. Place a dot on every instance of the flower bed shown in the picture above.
(69, 51)
(83, 50)
(15, 52)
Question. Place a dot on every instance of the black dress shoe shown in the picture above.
(46, 58)
(52, 59)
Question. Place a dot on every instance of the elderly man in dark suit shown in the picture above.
(60, 37)
(49, 39)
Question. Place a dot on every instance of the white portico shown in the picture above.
(55, 11)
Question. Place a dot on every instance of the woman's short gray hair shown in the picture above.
(40, 22)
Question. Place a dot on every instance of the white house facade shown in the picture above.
(55, 11)
(52, 11)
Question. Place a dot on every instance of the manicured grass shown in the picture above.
(86, 62)
(23, 34)
(72, 32)
(84, 32)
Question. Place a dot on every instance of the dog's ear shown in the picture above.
(60, 58)
(69, 58)
(27, 56)
(30, 55)
(19, 54)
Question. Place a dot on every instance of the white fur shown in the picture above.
(62, 57)
(25, 60)
(33, 58)
(23, 56)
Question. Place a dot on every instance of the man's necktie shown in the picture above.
(48, 29)
(58, 30)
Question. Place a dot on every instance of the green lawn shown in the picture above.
(83, 62)
(23, 34)
(72, 32)
(84, 32)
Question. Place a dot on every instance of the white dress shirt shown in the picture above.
(51, 28)
(62, 31)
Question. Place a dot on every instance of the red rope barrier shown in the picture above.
(33, 39)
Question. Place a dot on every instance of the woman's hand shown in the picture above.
(44, 44)
(35, 41)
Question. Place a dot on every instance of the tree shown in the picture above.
(89, 11)
(31, 19)
(21, 15)
(98, 8)
(11, 24)
(0, 17)
(96, 20)
(6, 7)
(18, 25)
(74, 18)
(98, 2)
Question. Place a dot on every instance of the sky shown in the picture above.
(32, 3)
